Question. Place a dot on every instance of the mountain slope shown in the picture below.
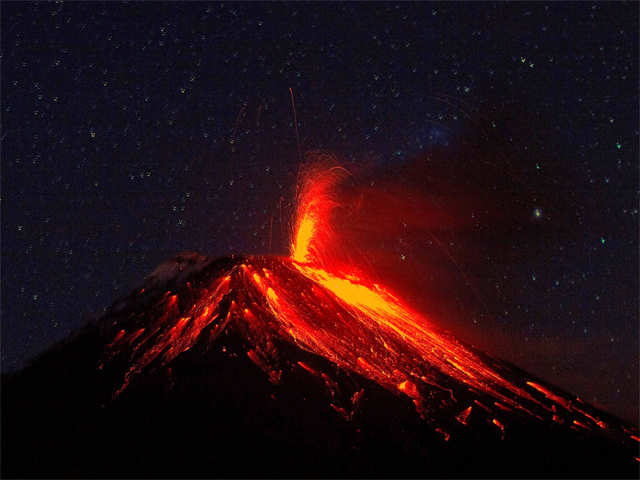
(262, 366)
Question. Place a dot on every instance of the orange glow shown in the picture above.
(315, 202)
(357, 396)
(341, 411)
(325, 307)
(173, 300)
(308, 368)
(580, 424)
(550, 395)
(409, 389)
(376, 309)
(135, 335)
(568, 405)
(380, 318)
(304, 235)
(444, 434)
(463, 416)
(271, 295)
(482, 405)
(595, 420)
(118, 337)
(502, 407)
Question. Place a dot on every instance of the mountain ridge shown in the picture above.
(73, 412)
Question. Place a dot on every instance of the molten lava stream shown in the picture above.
(393, 343)
(327, 308)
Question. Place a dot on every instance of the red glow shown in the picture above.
(580, 424)
(444, 434)
(463, 416)
(308, 368)
(315, 202)
(500, 425)
(550, 395)
(502, 407)
(409, 389)
(118, 337)
(315, 301)
(595, 420)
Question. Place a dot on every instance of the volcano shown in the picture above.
(291, 366)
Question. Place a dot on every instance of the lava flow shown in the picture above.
(311, 302)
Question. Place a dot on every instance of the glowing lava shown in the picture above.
(382, 318)
(308, 300)
(313, 230)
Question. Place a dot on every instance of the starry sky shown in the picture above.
(133, 131)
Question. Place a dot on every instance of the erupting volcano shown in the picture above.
(311, 322)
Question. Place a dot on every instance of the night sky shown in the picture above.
(131, 132)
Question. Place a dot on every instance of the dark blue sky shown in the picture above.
(133, 131)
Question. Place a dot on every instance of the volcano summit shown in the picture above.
(299, 365)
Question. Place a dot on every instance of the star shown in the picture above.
(537, 213)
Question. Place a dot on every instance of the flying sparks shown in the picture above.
(317, 304)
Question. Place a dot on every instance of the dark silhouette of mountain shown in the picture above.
(245, 366)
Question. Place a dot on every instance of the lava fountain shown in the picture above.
(314, 301)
